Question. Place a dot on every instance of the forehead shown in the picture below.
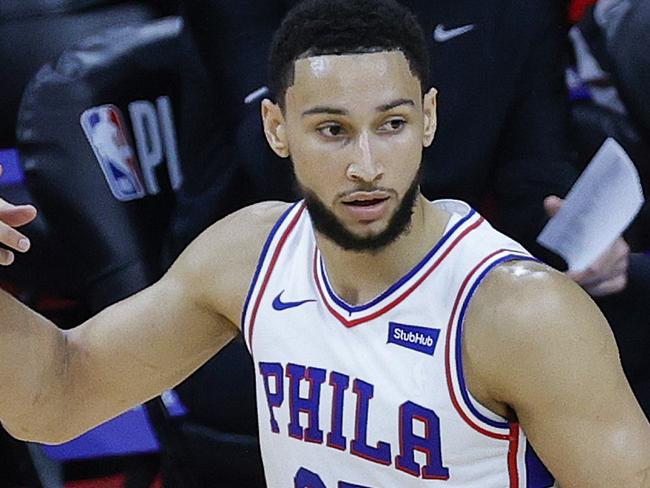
(372, 78)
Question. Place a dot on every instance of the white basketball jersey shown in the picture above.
(373, 395)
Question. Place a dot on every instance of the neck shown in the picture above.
(359, 276)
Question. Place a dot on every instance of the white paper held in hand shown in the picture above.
(597, 209)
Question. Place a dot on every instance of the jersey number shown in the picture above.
(306, 479)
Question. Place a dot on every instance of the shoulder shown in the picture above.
(528, 320)
(222, 260)
(538, 347)
(242, 231)
(524, 304)
(518, 294)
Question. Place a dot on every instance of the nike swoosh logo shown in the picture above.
(441, 34)
(278, 304)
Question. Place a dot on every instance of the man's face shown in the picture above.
(354, 126)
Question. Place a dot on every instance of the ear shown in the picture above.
(429, 105)
(274, 128)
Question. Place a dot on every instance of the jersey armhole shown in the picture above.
(268, 256)
(475, 414)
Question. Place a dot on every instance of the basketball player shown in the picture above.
(397, 342)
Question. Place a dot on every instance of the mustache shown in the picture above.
(365, 188)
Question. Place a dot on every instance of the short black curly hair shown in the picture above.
(320, 27)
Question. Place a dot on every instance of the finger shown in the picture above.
(609, 287)
(6, 257)
(617, 251)
(621, 248)
(17, 215)
(600, 272)
(552, 205)
(10, 237)
(610, 264)
(596, 282)
(586, 276)
(622, 262)
(8, 206)
(579, 277)
(594, 276)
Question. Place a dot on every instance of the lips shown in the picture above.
(359, 197)
(366, 206)
(366, 203)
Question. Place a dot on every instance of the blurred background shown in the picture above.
(133, 125)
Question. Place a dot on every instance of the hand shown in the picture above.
(606, 275)
(12, 216)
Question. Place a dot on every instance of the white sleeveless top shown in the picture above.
(373, 395)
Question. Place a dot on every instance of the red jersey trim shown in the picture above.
(448, 345)
(269, 271)
(396, 301)
(513, 450)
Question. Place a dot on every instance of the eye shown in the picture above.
(331, 130)
(393, 125)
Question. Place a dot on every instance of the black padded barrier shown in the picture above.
(129, 78)
(35, 32)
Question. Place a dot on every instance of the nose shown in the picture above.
(364, 166)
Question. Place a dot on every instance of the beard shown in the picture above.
(331, 227)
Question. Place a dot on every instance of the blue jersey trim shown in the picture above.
(260, 262)
(360, 308)
(459, 335)
(537, 475)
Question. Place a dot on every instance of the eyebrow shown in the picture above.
(323, 109)
(395, 103)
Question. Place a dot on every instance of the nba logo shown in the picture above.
(105, 130)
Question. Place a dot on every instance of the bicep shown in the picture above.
(137, 348)
(579, 413)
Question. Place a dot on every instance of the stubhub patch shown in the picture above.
(420, 339)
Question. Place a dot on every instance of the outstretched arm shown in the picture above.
(55, 384)
(538, 347)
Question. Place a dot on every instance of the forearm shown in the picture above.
(32, 373)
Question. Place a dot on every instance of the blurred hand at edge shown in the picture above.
(608, 274)
(12, 216)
